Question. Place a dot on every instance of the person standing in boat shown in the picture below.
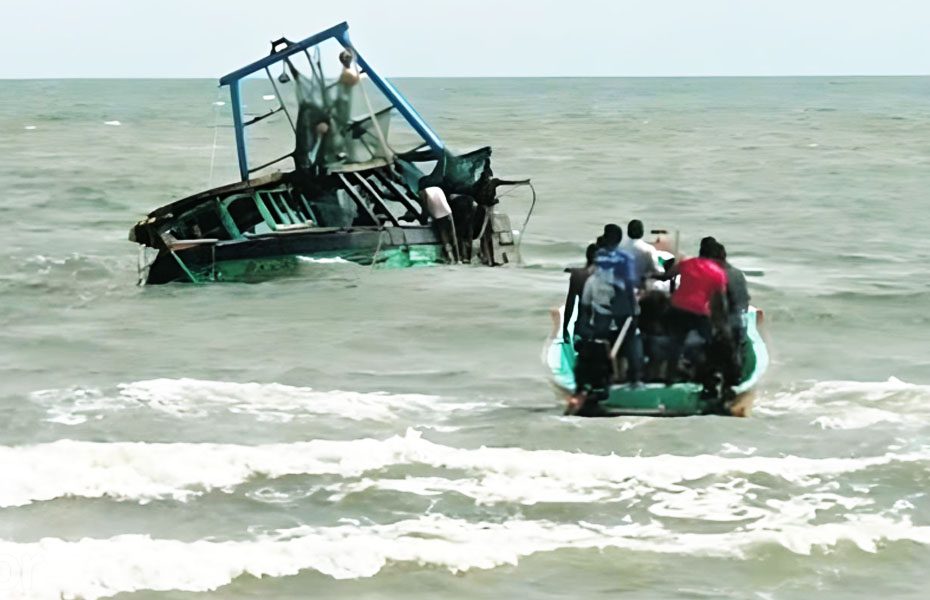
(342, 102)
(737, 307)
(576, 281)
(737, 295)
(702, 287)
(607, 310)
(645, 256)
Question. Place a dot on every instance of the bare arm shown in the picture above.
(574, 291)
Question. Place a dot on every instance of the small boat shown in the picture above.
(658, 399)
(350, 194)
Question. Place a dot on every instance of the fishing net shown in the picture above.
(326, 133)
(467, 174)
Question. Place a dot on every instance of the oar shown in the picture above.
(619, 342)
(616, 347)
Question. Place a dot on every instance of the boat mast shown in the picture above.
(340, 33)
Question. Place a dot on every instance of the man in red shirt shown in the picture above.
(701, 289)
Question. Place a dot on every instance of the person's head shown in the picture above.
(708, 248)
(589, 254)
(634, 229)
(613, 235)
(721, 252)
(345, 57)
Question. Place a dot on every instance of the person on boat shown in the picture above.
(464, 210)
(737, 295)
(313, 142)
(576, 281)
(653, 327)
(646, 257)
(607, 311)
(609, 239)
(726, 355)
(342, 101)
(437, 205)
(702, 284)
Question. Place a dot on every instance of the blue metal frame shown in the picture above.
(341, 33)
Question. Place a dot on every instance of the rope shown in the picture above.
(528, 215)
(371, 112)
(216, 121)
(374, 258)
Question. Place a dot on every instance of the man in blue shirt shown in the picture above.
(607, 303)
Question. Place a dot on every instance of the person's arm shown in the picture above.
(655, 266)
(670, 273)
(570, 299)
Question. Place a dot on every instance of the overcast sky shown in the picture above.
(208, 38)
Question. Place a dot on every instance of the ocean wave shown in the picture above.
(67, 269)
(269, 402)
(143, 472)
(851, 404)
(97, 568)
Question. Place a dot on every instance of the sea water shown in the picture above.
(344, 432)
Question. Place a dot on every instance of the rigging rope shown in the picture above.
(529, 214)
(216, 126)
(388, 151)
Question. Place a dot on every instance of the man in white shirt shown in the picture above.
(645, 256)
(437, 205)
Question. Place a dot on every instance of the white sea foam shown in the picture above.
(30, 127)
(97, 568)
(142, 471)
(334, 260)
(852, 404)
(112, 123)
(194, 398)
(219, 103)
(268, 97)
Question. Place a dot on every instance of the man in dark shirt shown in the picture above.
(576, 281)
(737, 295)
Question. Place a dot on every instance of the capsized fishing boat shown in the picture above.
(658, 399)
(345, 191)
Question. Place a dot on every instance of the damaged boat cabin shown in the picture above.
(345, 186)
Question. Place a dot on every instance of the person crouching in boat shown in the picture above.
(437, 205)
(606, 312)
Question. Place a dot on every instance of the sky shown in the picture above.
(464, 38)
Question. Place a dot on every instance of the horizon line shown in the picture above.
(689, 76)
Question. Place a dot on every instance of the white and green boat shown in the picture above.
(658, 399)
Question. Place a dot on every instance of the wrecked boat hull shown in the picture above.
(263, 258)
(350, 194)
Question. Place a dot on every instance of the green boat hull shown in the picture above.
(658, 399)
(260, 269)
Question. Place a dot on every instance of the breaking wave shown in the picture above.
(137, 471)
(270, 402)
(852, 404)
(97, 568)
